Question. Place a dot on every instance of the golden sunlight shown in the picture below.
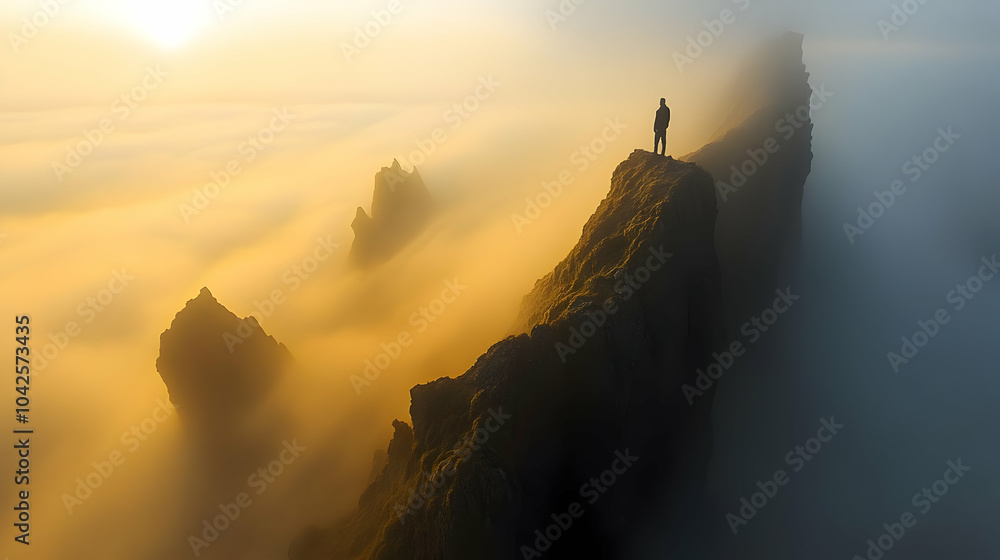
(168, 23)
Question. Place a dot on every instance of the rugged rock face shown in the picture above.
(217, 367)
(759, 224)
(593, 381)
(401, 207)
(651, 198)
(616, 328)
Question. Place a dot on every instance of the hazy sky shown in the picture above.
(116, 114)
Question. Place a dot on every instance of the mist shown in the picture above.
(125, 212)
(860, 295)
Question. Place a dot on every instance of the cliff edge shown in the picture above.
(559, 440)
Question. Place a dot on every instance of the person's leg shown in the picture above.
(656, 143)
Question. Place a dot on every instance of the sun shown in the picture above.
(168, 23)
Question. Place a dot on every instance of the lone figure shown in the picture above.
(660, 126)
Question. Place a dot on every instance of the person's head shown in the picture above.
(663, 102)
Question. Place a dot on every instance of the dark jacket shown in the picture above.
(662, 119)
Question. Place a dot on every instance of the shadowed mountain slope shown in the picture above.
(583, 411)
(760, 159)
(616, 329)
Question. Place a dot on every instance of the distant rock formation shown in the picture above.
(401, 207)
(608, 339)
(217, 367)
(220, 371)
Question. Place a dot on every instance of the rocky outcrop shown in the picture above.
(217, 367)
(401, 207)
(220, 372)
(615, 330)
(583, 409)
(647, 192)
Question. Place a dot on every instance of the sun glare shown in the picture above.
(169, 23)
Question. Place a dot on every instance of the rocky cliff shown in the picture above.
(614, 331)
(760, 159)
(559, 440)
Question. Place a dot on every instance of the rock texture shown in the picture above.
(646, 262)
(401, 207)
(606, 341)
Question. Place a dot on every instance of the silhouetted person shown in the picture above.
(660, 126)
